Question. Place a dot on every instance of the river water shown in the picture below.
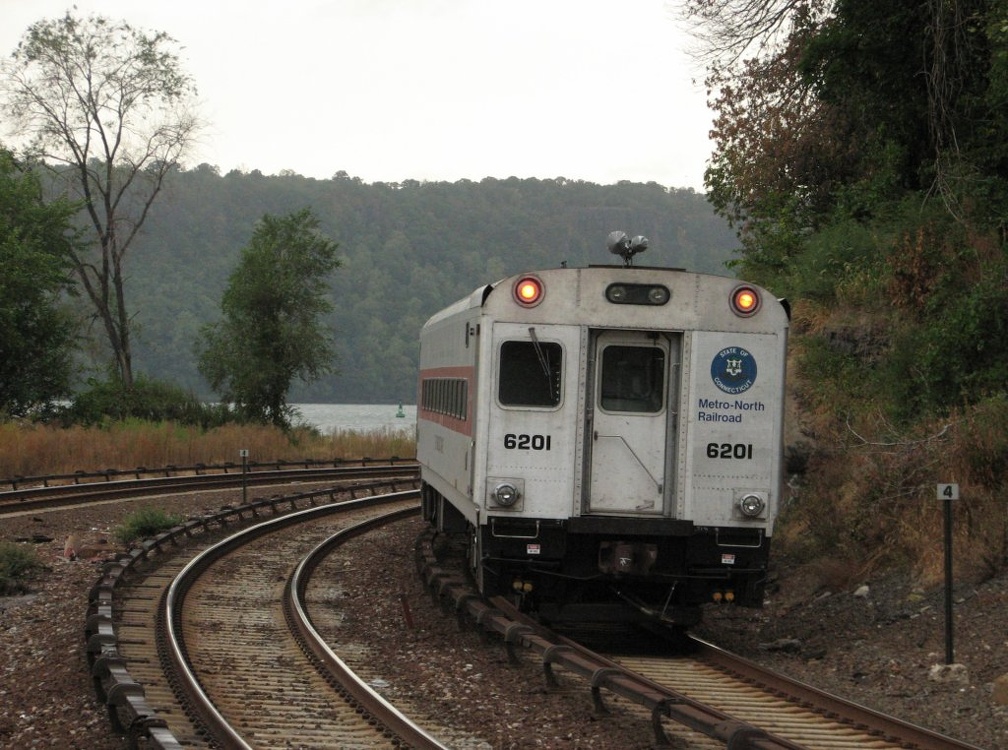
(328, 418)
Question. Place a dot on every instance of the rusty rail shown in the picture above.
(13, 501)
(454, 591)
(313, 645)
(125, 699)
(198, 469)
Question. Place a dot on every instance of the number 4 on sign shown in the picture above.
(948, 491)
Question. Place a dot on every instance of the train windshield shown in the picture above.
(633, 379)
(530, 373)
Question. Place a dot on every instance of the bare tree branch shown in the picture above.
(113, 104)
(728, 31)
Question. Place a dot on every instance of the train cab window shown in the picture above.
(633, 379)
(530, 373)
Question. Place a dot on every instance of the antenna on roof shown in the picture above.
(626, 248)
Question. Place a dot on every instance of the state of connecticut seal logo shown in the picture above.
(733, 370)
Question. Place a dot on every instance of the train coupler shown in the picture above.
(637, 558)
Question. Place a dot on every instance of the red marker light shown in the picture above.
(745, 301)
(528, 291)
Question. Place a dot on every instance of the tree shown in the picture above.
(915, 78)
(36, 332)
(113, 104)
(728, 31)
(271, 331)
(845, 107)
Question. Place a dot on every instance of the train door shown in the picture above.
(632, 425)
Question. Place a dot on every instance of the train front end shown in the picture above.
(627, 449)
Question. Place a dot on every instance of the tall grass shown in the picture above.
(37, 450)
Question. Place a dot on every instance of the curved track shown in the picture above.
(51, 493)
(261, 672)
(228, 637)
(779, 711)
(237, 660)
(725, 698)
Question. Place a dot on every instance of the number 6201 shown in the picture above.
(527, 442)
(730, 450)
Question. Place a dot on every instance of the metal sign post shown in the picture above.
(947, 493)
(244, 457)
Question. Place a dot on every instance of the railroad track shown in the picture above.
(50, 493)
(736, 703)
(229, 642)
(777, 711)
(723, 701)
(223, 648)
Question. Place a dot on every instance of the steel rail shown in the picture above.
(330, 663)
(16, 501)
(661, 700)
(172, 470)
(174, 652)
(500, 617)
(911, 735)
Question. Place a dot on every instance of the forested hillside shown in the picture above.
(407, 249)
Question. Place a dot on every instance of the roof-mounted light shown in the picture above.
(528, 291)
(637, 294)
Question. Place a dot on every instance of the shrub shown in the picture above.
(144, 523)
(148, 400)
(18, 566)
(829, 257)
(981, 455)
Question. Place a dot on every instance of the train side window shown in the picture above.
(530, 373)
(633, 379)
(448, 396)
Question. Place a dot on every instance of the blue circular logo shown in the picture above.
(733, 370)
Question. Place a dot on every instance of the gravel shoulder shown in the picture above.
(882, 645)
(876, 647)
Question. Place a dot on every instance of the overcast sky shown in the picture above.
(389, 90)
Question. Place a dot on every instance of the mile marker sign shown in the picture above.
(948, 491)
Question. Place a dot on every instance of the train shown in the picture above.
(606, 441)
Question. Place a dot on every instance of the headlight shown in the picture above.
(505, 494)
(658, 295)
(751, 505)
